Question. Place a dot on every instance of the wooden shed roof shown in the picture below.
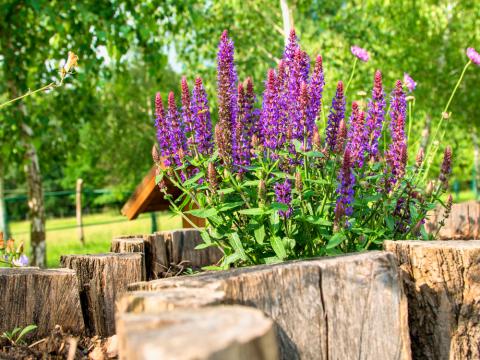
(147, 197)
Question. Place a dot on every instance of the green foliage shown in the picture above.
(15, 337)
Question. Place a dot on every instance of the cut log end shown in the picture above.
(210, 333)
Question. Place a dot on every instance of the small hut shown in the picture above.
(147, 197)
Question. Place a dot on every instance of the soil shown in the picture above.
(60, 345)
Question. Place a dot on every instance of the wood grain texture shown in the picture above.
(348, 307)
(442, 282)
(44, 297)
(131, 244)
(102, 279)
(210, 333)
(462, 224)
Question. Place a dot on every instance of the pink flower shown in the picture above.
(474, 56)
(409, 82)
(360, 53)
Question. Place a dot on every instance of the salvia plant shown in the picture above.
(270, 186)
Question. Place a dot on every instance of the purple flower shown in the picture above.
(187, 115)
(269, 118)
(21, 261)
(176, 133)
(409, 82)
(357, 135)
(337, 114)
(360, 53)
(162, 130)
(241, 141)
(375, 115)
(290, 48)
(398, 105)
(283, 195)
(397, 152)
(474, 56)
(315, 92)
(202, 121)
(345, 191)
(227, 92)
(446, 168)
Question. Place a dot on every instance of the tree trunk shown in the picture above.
(287, 19)
(3, 207)
(35, 200)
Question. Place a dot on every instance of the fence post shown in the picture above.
(78, 202)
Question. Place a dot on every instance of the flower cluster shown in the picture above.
(351, 190)
(10, 254)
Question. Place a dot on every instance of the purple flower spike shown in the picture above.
(375, 115)
(409, 82)
(360, 53)
(357, 135)
(227, 91)
(474, 56)
(202, 121)
(446, 168)
(176, 132)
(345, 190)
(398, 104)
(241, 142)
(337, 114)
(269, 116)
(315, 90)
(283, 195)
(162, 130)
(187, 115)
(291, 48)
(397, 153)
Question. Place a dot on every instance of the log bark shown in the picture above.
(156, 257)
(102, 279)
(463, 222)
(41, 297)
(128, 244)
(442, 282)
(349, 307)
(210, 333)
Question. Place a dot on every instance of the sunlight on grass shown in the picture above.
(99, 229)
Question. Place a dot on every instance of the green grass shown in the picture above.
(99, 229)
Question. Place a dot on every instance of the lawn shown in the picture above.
(99, 229)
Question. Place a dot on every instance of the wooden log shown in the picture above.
(210, 333)
(156, 257)
(442, 282)
(44, 297)
(345, 307)
(181, 249)
(131, 244)
(462, 224)
(103, 278)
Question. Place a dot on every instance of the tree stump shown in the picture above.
(348, 307)
(156, 257)
(181, 249)
(44, 297)
(463, 222)
(210, 333)
(442, 282)
(102, 279)
(131, 244)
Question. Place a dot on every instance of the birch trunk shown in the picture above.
(3, 207)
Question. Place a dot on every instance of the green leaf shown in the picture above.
(335, 240)
(206, 237)
(237, 245)
(275, 221)
(226, 191)
(318, 221)
(252, 211)
(203, 213)
(230, 206)
(278, 247)
(194, 179)
(25, 331)
(279, 206)
(259, 234)
(272, 260)
(159, 177)
(251, 183)
(230, 259)
(204, 246)
(212, 268)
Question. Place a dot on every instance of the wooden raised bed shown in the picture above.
(442, 282)
(333, 308)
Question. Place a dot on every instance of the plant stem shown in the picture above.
(351, 76)
(410, 106)
(28, 93)
(437, 129)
